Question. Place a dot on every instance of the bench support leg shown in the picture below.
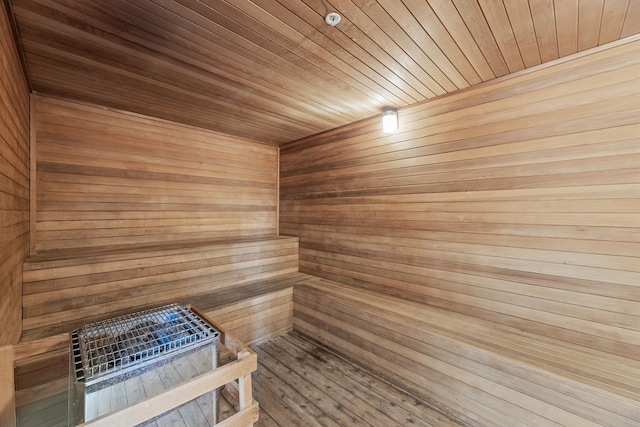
(7, 387)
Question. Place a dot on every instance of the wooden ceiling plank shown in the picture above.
(451, 21)
(424, 28)
(220, 48)
(562, 72)
(298, 48)
(632, 19)
(498, 21)
(227, 64)
(522, 25)
(312, 26)
(567, 26)
(613, 16)
(140, 42)
(273, 71)
(50, 47)
(308, 124)
(261, 40)
(589, 23)
(399, 65)
(315, 107)
(476, 23)
(425, 52)
(544, 22)
(426, 70)
(379, 62)
(73, 42)
(358, 41)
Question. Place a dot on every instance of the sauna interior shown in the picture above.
(478, 266)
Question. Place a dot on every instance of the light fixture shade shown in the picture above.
(389, 120)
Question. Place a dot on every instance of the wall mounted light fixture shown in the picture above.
(389, 120)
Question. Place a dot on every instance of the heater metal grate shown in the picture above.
(101, 349)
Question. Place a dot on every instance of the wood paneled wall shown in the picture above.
(478, 371)
(14, 181)
(516, 201)
(111, 179)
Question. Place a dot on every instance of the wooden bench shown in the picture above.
(46, 404)
(482, 372)
(62, 291)
(251, 313)
(244, 285)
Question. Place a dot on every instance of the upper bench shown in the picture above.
(63, 291)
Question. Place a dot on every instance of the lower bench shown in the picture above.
(234, 372)
(482, 373)
(250, 313)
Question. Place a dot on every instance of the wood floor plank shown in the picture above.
(296, 402)
(274, 403)
(335, 411)
(299, 382)
(226, 406)
(345, 390)
(333, 392)
(398, 405)
(339, 389)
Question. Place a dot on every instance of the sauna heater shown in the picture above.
(120, 361)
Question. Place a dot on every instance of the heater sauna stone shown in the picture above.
(124, 360)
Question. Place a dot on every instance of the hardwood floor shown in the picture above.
(301, 383)
(298, 383)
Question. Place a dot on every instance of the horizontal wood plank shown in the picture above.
(253, 312)
(232, 68)
(14, 180)
(515, 201)
(481, 370)
(144, 177)
(65, 290)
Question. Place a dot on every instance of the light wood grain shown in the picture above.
(263, 312)
(342, 391)
(516, 202)
(111, 179)
(589, 16)
(7, 387)
(567, 13)
(275, 72)
(14, 179)
(187, 391)
(69, 289)
(250, 313)
(483, 372)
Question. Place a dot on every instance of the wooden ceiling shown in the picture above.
(274, 71)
